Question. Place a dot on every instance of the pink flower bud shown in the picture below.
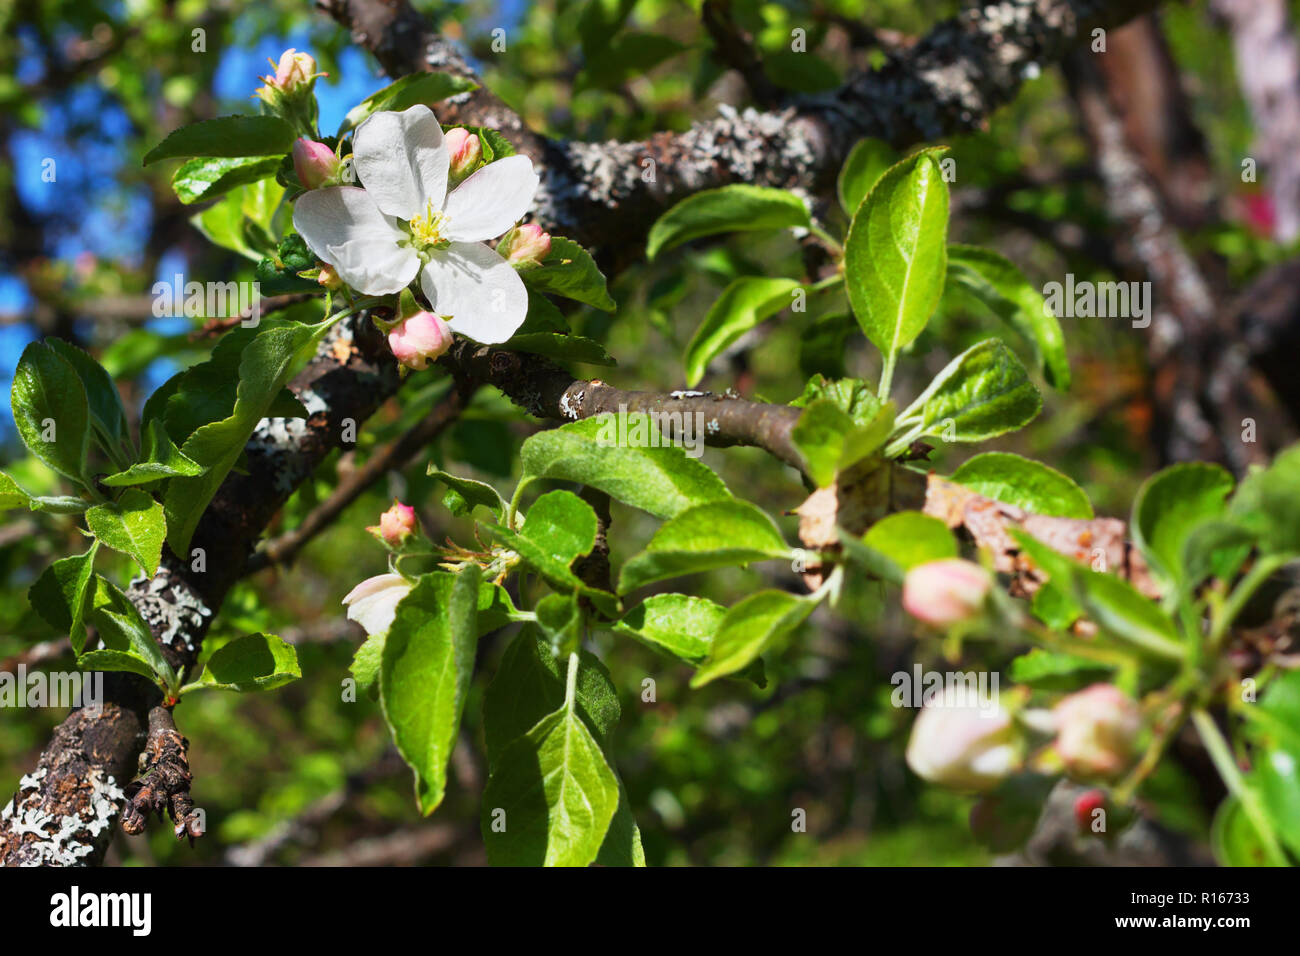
(525, 245)
(945, 592)
(293, 70)
(1085, 805)
(465, 151)
(963, 746)
(418, 338)
(1096, 729)
(395, 525)
(314, 163)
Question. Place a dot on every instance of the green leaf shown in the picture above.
(555, 795)
(867, 162)
(1053, 671)
(909, 538)
(612, 453)
(162, 459)
(1267, 504)
(265, 366)
(426, 88)
(200, 179)
(561, 523)
(1233, 837)
(750, 627)
(679, 626)
(982, 393)
(122, 628)
(14, 495)
(570, 271)
(59, 594)
(106, 412)
(134, 525)
(852, 396)
(529, 684)
(735, 208)
(106, 659)
(560, 619)
(995, 282)
(278, 274)
(427, 667)
(831, 442)
(744, 303)
(714, 535)
(1169, 506)
(1025, 483)
(1216, 548)
(49, 401)
(465, 494)
(226, 136)
(251, 662)
(895, 254)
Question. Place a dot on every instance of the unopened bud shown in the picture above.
(418, 338)
(329, 278)
(1096, 729)
(395, 525)
(963, 746)
(314, 163)
(945, 592)
(1085, 805)
(464, 150)
(525, 245)
(293, 70)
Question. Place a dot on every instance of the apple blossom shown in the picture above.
(525, 245)
(405, 223)
(1096, 729)
(418, 338)
(395, 525)
(464, 152)
(945, 592)
(963, 746)
(373, 602)
(314, 163)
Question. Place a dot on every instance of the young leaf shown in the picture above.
(106, 659)
(714, 535)
(106, 412)
(1054, 671)
(570, 271)
(895, 254)
(134, 525)
(1267, 504)
(122, 629)
(51, 410)
(59, 594)
(1169, 506)
(867, 162)
(995, 282)
(251, 662)
(613, 453)
(427, 667)
(426, 88)
(744, 303)
(468, 493)
(207, 178)
(749, 628)
(831, 441)
(735, 208)
(1024, 483)
(560, 619)
(162, 459)
(266, 364)
(226, 136)
(982, 393)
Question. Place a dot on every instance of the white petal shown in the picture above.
(345, 228)
(373, 602)
(492, 200)
(479, 292)
(401, 161)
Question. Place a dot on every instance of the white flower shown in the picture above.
(961, 746)
(373, 602)
(404, 223)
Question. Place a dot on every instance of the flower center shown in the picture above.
(427, 231)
